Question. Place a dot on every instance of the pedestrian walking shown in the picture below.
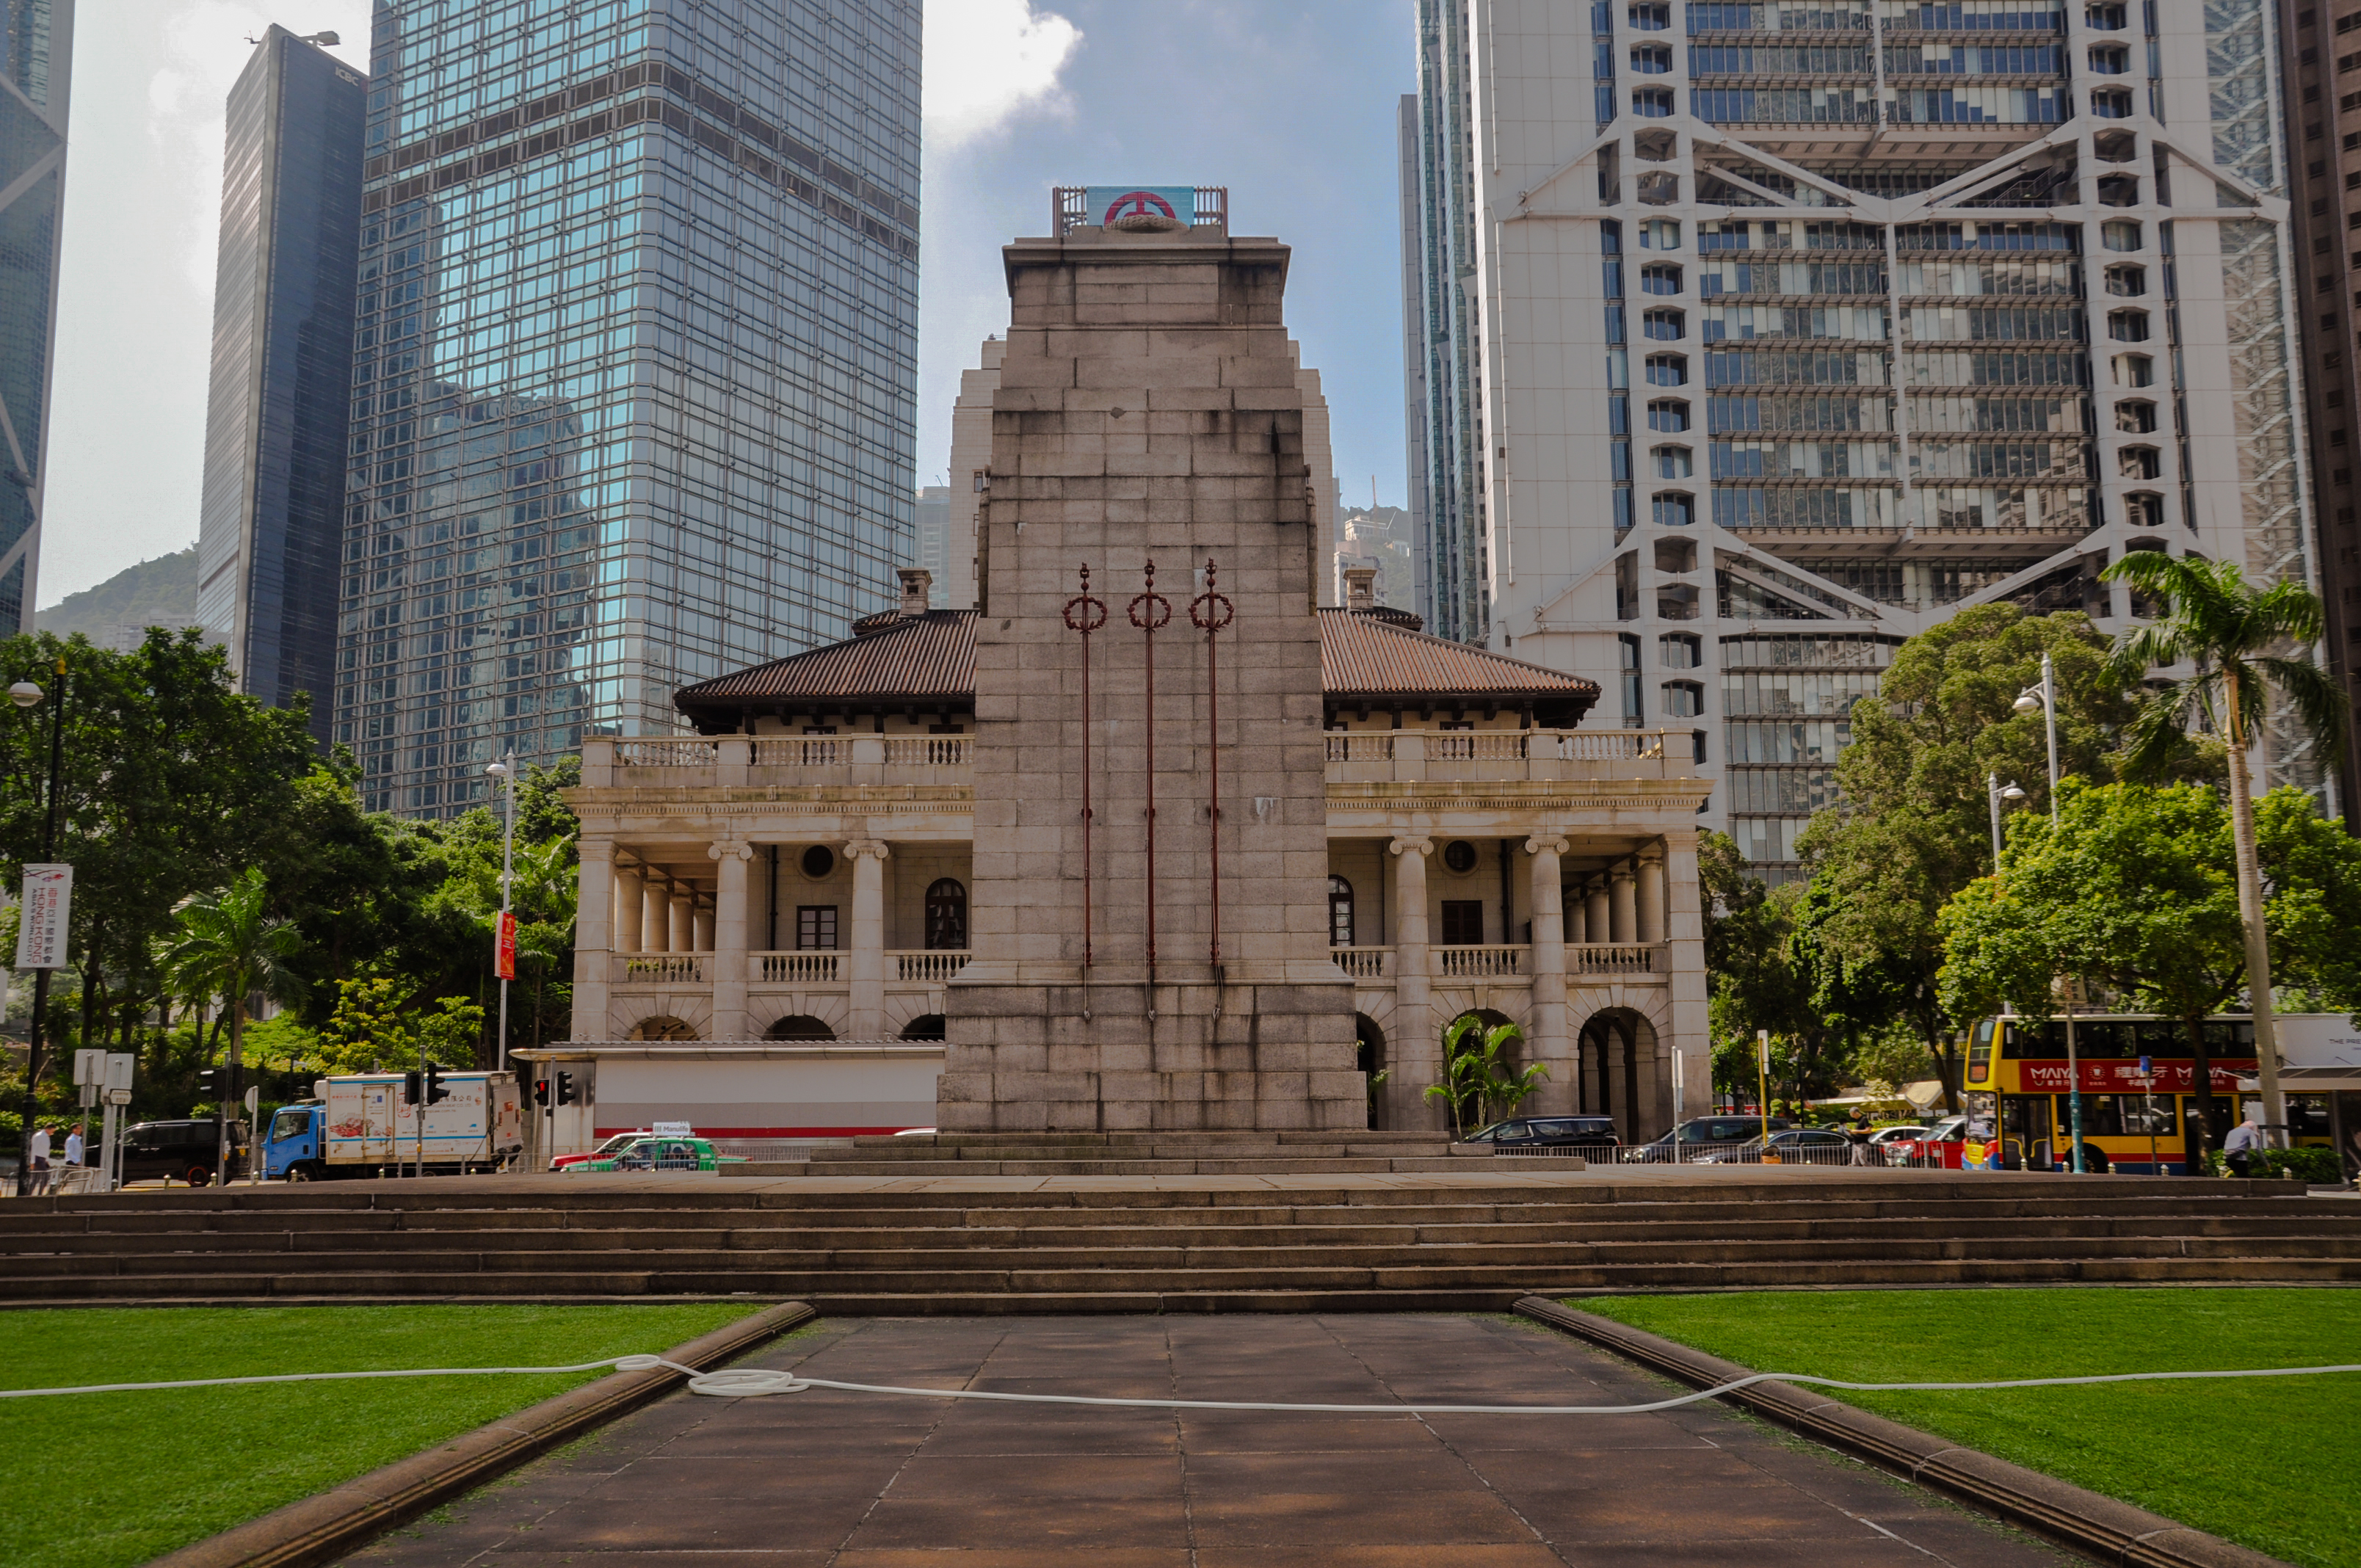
(37, 1181)
(1858, 1136)
(73, 1147)
(2244, 1144)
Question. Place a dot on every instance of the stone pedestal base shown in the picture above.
(1189, 1053)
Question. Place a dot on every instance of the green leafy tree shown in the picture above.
(2242, 642)
(2134, 891)
(227, 946)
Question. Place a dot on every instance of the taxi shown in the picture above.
(662, 1152)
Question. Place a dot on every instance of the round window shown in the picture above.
(1460, 856)
(819, 860)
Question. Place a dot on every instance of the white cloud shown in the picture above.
(988, 62)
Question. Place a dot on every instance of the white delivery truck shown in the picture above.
(366, 1124)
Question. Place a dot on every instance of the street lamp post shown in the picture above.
(505, 772)
(25, 694)
(1997, 792)
(2044, 696)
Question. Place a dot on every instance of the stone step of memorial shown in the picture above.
(1162, 1247)
(1215, 1152)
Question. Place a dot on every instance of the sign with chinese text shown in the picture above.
(2109, 1075)
(504, 946)
(43, 917)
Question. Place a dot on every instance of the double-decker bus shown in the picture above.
(2018, 1084)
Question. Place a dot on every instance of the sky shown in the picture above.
(1290, 104)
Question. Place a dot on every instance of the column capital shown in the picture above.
(860, 848)
(1540, 841)
(1624, 873)
(728, 850)
(1411, 846)
(1653, 855)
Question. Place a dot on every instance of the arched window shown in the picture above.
(1340, 913)
(946, 916)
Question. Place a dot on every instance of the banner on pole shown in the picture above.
(504, 946)
(44, 916)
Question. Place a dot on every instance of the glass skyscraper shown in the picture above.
(634, 364)
(35, 55)
(1827, 321)
(275, 422)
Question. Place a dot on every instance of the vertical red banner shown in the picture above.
(504, 946)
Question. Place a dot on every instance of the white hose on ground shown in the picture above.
(750, 1382)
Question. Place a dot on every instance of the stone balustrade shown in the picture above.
(1446, 756)
(771, 760)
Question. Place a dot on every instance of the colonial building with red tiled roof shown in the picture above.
(797, 873)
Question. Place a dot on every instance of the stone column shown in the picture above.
(1651, 895)
(1548, 1041)
(1415, 1049)
(1685, 959)
(868, 956)
(656, 914)
(631, 903)
(1618, 906)
(1575, 907)
(728, 975)
(593, 942)
(700, 925)
(680, 919)
(1596, 924)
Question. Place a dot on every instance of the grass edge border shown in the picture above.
(328, 1525)
(2107, 1527)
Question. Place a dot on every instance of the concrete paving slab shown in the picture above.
(840, 1480)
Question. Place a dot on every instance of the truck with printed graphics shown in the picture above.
(368, 1123)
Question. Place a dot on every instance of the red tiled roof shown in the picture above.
(1369, 655)
(915, 659)
(930, 658)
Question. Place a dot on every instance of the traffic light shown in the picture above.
(566, 1092)
(435, 1092)
(410, 1089)
(205, 1081)
(541, 1091)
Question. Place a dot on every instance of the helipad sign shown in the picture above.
(1108, 203)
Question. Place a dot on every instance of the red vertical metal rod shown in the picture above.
(1149, 611)
(1086, 615)
(1209, 612)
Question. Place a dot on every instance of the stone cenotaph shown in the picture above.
(1148, 900)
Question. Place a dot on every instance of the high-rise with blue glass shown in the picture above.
(634, 364)
(36, 66)
(273, 513)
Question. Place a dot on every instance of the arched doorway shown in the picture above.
(798, 1026)
(1616, 1071)
(947, 916)
(925, 1026)
(1369, 1056)
(663, 1027)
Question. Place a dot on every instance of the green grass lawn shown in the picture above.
(2271, 1464)
(91, 1479)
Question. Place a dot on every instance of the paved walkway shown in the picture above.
(868, 1481)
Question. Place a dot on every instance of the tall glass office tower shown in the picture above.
(36, 67)
(634, 364)
(273, 515)
(1830, 319)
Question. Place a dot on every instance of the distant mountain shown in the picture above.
(161, 592)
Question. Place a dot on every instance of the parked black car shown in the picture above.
(181, 1151)
(1795, 1146)
(1550, 1132)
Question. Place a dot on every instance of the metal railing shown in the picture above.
(659, 969)
(1494, 962)
(933, 965)
(1070, 208)
(667, 753)
(1363, 963)
(1750, 1155)
(799, 968)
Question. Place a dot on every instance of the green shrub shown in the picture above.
(2313, 1163)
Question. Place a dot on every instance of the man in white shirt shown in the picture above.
(2244, 1142)
(37, 1155)
(73, 1147)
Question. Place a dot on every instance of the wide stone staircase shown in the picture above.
(1240, 1153)
(1341, 1245)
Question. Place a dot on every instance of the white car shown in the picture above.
(1897, 1135)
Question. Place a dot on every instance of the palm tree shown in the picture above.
(2213, 618)
(227, 947)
